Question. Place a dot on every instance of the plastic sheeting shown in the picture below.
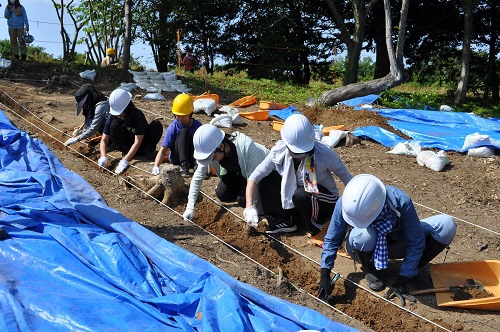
(71, 262)
(432, 129)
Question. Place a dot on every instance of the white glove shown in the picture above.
(103, 161)
(70, 141)
(155, 170)
(121, 166)
(188, 214)
(76, 132)
(251, 216)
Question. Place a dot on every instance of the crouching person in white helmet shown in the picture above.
(128, 131)
(383, 225)
(307, 184)
(232, 156)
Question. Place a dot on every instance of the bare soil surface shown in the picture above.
(286, 266)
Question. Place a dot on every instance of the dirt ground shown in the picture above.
(286, 266)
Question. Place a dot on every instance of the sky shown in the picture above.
(44, 26)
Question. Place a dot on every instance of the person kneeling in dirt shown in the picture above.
(95, 108)
(233, 157)
(128, 131)
(307, 183)
(383, 225)
(178, 139)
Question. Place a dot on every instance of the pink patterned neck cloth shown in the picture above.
(310, 182)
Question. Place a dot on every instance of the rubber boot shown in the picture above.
(432, 249)
(373, 278)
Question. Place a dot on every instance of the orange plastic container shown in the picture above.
(260, 115)
(487, 272)
(270, 105)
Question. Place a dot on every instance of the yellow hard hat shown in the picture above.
(110, 51)
(183, 105)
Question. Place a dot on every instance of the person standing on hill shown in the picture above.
(127, 129)
(95, 108)
(379, 222)
(178, 139)
(189, 61)
(307, 184)
(17, 20)
(110, 58)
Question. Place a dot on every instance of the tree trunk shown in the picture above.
(381, 57)
(127, 39)
(395, 76)
(464, 73)
(491, 83)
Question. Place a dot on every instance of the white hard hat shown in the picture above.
(205, 140)
(118, 101)
(298, 133)
(363, 200)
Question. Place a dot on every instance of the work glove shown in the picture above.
(103, 161)
(70, 141)
(251, 216)
(188, 214)
(398, 288)
(121, 166)
(326, 285)
(155, 170)
(76, 132)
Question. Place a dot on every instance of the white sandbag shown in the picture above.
(88, 74)
(407, 149)
(237, 119)
(4, 63)
(446, 108)
(334, 137)
(204, 105)
(229, 110)
(222, 121)
(128, 86)
(432, 160)
(476, 140)
(482, 151)
(318, 134)
(154, 96)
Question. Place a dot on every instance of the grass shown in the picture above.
(408, 95)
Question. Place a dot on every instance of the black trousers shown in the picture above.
(232, 187)
(270, 194)
(314, 210)
(123, 139)
(183, 149)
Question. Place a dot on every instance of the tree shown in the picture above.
(464, 74)
(353, 40)
(395, 76)
(68, 44)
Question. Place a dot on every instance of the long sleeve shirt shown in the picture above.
(250, 154)
(327, 161)
(405, 226)
(92, 125)
(14, 21)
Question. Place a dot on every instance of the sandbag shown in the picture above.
(407, 149)
(432, 160)
(204, 105)
(482, 151)
(222, 121)
(154, 96)
(334, 137)
(88, 74)
(476, 140)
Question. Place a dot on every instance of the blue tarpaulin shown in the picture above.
(368, 99)
(70, 262)
(433, 129)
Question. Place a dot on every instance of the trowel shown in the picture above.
(470, 284)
